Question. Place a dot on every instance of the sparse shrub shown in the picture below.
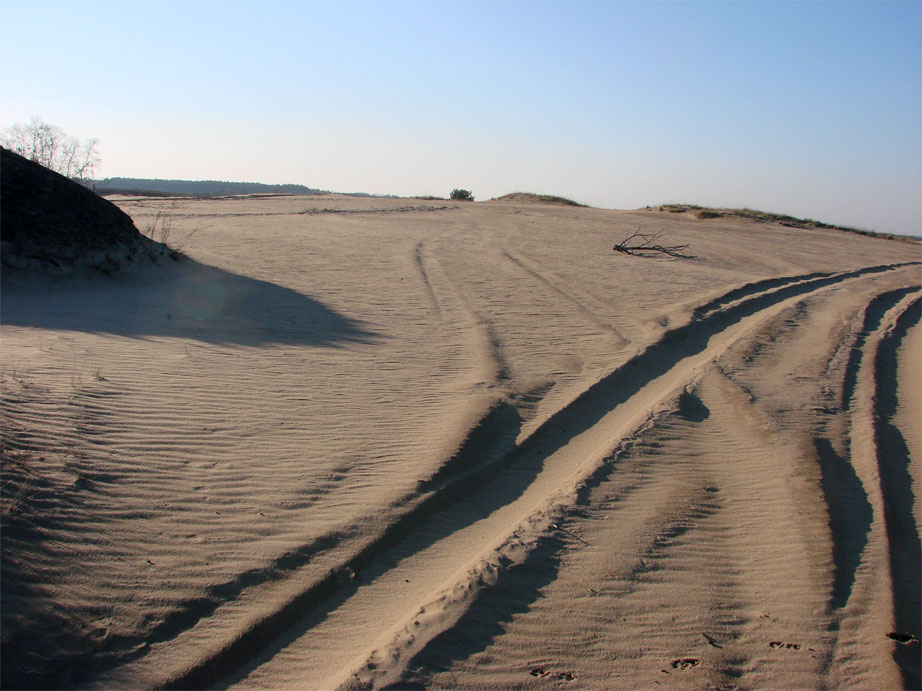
(159, 232)
(162, 226)
(462, 195)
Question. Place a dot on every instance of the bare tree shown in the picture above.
(640, 244)
(52, 147)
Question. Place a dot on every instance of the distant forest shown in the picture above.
(203, 188)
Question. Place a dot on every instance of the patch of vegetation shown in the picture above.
(539, 198)
(707, 213)
(463, 195)
(159, 232)
(365, 195)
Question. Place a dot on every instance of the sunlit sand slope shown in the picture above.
(362, 442)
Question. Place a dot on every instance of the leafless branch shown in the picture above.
(640, 244)
(52, 147)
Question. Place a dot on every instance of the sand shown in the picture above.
(357, 443)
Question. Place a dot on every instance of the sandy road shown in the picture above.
(730, 542)
(355, 446)
(434, 571)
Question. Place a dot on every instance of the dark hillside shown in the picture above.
(47, 220)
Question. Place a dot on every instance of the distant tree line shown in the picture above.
(196, 187)
(50, 146)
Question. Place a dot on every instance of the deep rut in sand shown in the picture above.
(488, 507)
(665, 525)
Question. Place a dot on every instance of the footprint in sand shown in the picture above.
(787, 646)
(904, 638)
(542, 672)
(685, 662)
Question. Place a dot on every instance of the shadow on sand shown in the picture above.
(186, 300)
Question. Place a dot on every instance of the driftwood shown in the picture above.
(645, 244)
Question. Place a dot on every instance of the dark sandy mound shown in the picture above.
(50, 223)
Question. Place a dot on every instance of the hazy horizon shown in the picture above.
(808, 109)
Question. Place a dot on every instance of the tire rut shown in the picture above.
(530, 456)
(896, 488)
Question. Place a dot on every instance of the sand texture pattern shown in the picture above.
(366, 443)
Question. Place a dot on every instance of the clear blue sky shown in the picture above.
(812, 109)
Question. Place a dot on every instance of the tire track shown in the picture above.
(873, 315)
(664, 521)
(756, 287)
(753, 288)
(847, 445)
(421, 267)
(620, 339)
(851, 515)
(487, 342)
(534, 469)
(896, 488)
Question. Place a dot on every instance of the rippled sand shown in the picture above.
(361, 442)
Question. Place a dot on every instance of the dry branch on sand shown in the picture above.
(644, 244)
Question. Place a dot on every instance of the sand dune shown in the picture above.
(358, 443)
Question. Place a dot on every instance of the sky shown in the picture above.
(807, 108)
